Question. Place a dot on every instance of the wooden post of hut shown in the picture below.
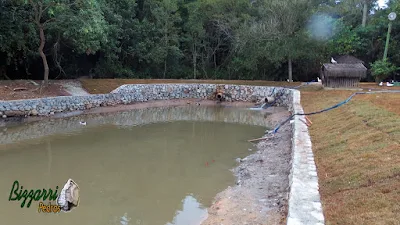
(342, 75)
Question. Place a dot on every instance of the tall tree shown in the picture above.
(16, 36)
(166, 19)
(79, 21)
(287, 21)
(193, 33)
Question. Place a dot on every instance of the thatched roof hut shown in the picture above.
(347, 59)
(345, 70)
(342, 75)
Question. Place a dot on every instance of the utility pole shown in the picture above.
(391, 17)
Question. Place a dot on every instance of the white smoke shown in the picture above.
(321, 27)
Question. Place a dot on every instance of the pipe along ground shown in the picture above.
(267, 100)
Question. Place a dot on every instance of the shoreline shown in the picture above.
(261, 193)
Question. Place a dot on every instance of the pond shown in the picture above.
(149, 172)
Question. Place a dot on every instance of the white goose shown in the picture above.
(82, 123)
(333, 61)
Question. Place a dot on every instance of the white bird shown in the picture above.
(381, 83)
(82, 123)
(287, 80)
(333, 61)
(319, 80)
(389, 84)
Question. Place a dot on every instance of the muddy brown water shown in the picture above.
(160, 173)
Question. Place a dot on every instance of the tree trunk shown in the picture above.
(365, 13)
(44, 59)
(166, 46)
(290, 69)
(194, 61)
(203, 66)
(215, 65)
(165, 68)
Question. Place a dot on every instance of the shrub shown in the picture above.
(381, 69)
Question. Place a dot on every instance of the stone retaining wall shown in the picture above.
(304, 200)
(128, 94)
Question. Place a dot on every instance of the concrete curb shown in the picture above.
(304, 199)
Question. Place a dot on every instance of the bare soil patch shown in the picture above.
(24, 89)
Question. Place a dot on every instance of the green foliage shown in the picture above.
(346, 41)
(211, 39)
(18, 40)
(381, 69)
(84, 26)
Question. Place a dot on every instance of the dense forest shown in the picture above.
(197, 39)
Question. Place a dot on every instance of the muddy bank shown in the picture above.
(260, 196)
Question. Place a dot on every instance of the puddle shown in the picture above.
(155, 166)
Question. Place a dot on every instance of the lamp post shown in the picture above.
(391, 17)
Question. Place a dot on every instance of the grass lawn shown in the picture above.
(357, 152)
(356, 148)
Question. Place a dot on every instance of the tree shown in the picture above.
(16, 36)
(40, 8)
(166, 18)
(79, 21)
(352, 10)
(193, 33)
(286, 21)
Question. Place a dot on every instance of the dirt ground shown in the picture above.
(23, 89)
(28, 89)
(261, 194)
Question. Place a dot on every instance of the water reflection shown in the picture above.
(125, 219)
(137, 117)
(192, 213)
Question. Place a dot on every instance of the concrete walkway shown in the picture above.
(74, 88)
